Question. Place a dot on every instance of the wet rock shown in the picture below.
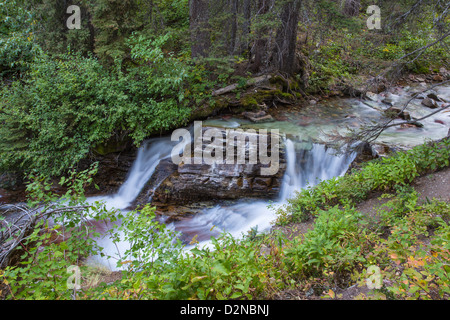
(430, 103)
(189, 182)
(371, 96)
(433, 96)
(366, 152)
(419, 96)
(388, 101)
(266, 118)
(258, 117)
(249, 115)
(394, 112)
(380, 150)
(411, 125)
(438, 78)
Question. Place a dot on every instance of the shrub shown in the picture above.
(376, 175)
(61, 237)
(337, 243)
(69, 105)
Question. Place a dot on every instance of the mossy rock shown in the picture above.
(207, 109)
(279, 81)
(253, 100)
(112, 146)
(286, 95)
(249, 101)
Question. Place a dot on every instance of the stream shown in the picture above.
(304, 168)
(307, 162)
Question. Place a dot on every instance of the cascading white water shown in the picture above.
(148, 157)
(304, 167)
(309, 167)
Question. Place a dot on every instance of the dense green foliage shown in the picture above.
(66, 106)
(130, 72)
(16, 46)
(62, 103)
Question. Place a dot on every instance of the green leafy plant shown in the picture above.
(337, 243)
(61, 236)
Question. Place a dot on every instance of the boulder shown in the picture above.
(266, 118)
(371, 96)
(438, 78)
(397, 112)
(430, 103)
(258, 117)
(434, 96)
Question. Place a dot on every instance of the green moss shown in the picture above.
(254, 99)
(209, 109)
(419, 67)
(277, 80)
(294, 85)
(111, 146)
(249, 101)
(286, 95)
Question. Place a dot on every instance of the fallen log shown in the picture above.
(251, 82)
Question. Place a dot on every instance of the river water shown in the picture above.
(304, 167)
(307, 162)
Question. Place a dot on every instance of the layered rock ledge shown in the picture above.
(188, 183)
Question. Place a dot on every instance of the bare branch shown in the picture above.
(24, 225)
(370, 133)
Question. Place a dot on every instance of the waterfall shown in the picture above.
(148, 157)
(309, 167)
(304, 168)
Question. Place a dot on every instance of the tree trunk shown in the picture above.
(199, 28)
(351, 7)
(234, 9)
(259, 50)
(286, 39)
(246, 25)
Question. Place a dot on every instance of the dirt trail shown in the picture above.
(434, 185)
